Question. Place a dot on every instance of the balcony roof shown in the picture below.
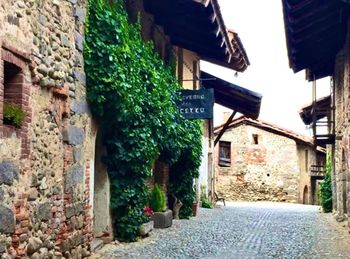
(233, 96)
(315, 32)
(197, 25)
(322, 106)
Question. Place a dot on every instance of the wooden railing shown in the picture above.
(317, 170)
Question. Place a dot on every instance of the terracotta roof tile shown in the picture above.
(269, 127)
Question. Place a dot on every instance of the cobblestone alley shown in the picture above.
(244, 230)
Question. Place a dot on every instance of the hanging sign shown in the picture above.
(196, 104)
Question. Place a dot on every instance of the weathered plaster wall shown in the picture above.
(266, 171)
(44, 166)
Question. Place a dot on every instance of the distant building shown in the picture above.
(256, 160)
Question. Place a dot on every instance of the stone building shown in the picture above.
(54, 189)
(324, 50)
(259, 161)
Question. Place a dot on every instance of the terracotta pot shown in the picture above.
(195, 209)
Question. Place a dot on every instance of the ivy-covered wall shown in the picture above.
(132, 93)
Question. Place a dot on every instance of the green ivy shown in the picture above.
(185, 169)
(326, 188)
(132, 94)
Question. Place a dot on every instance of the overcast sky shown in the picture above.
(261, 29)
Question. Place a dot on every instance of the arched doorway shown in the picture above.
(101, 210)
(306, 195)
(344, 177)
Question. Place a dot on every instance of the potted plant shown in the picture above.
(162, 217)
(146, 227)
(205, 202)
(195, 208)
(195, 204)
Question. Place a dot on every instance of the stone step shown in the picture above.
(96, 244)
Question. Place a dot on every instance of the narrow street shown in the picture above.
(244, 230)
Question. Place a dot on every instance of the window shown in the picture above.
(224, 153)
(306, 160)
(255, 139)
(15, 90)
(13, 84)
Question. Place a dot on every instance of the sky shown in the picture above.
(260, 26)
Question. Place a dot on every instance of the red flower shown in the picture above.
(147, 211)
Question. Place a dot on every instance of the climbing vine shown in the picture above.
(132, 94)
(326, 187)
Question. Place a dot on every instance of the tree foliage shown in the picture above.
(132, 95)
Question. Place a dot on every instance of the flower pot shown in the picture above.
(146, 228)
(195, 209)
(162, 219)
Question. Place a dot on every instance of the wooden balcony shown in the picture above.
(317, 171)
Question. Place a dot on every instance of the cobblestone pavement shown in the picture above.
(244, 230)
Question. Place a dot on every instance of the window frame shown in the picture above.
(225, 161)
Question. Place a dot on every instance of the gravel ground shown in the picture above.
(244, 230)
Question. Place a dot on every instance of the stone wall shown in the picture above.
(341, 175)
(44, 165)
(269, 170)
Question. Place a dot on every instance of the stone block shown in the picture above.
(8, 172)
(3, 245)
(2, 194)
(76, 239)
(42, 20)
(7, 220)
(44, 211)
(33, 194)
(146, 228)
(77, 155)
(162, 219)
(74, 135)
(74, 209)
(79, 39)
(80, 76)
(65, 41)
(80, 13)
(34, 244)
(65, 246)
(80, 107)
(74, 176)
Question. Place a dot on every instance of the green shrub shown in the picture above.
(206, 203)
(13, 114)
(326, 188)
(157, 199)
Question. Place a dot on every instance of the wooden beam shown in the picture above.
(224, 128)
(203, 2)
